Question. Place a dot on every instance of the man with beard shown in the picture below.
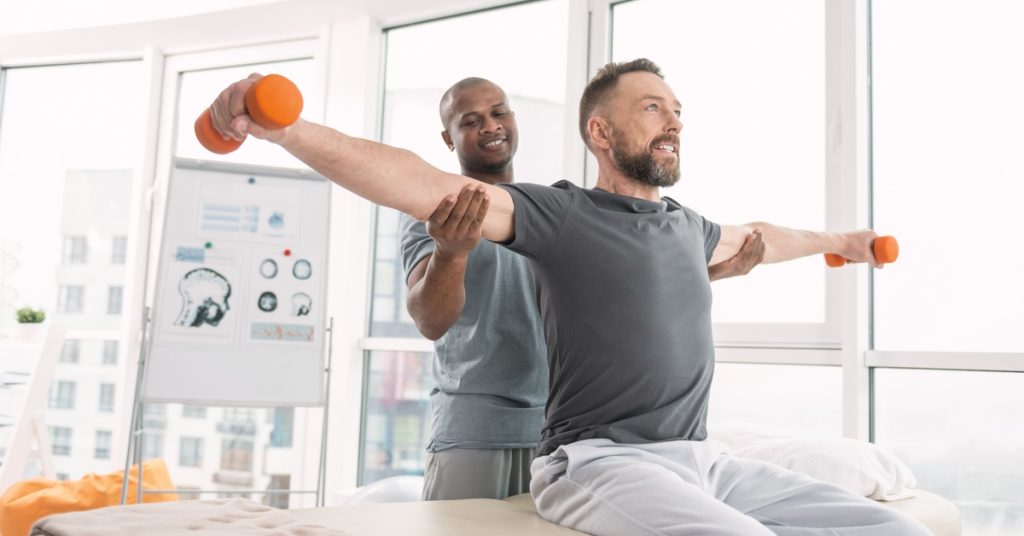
(477, 302)
(622, 284)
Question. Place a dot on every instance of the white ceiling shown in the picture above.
(21, 16)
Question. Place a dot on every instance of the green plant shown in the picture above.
(28, 315)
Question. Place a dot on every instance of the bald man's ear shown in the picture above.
(600, 132)
(447, 140)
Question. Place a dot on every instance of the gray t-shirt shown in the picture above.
(490, 368)
(624, 293)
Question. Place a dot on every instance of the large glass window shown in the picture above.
(947, 173)
(751, 79)
(960, 434)
(532, 73)
(764, 395)
(71, 140)
(396, 416)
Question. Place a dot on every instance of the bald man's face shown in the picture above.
(481, 128)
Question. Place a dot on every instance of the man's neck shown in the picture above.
(504, 176)
(614, 181)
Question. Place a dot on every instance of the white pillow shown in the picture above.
(858, 466)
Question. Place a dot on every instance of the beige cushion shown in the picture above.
(468, 517)
(518, 515)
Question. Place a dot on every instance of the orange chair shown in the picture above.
(28, 501)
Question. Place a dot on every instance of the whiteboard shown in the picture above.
(239, 303)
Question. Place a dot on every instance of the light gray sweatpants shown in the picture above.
(693, 487)
(476, 473)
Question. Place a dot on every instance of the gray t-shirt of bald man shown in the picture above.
(490, 367)
(623, 289)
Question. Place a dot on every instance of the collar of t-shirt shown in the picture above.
(608, 200)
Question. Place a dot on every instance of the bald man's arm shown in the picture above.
(385, 175)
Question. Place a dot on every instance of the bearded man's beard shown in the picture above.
(641, 166)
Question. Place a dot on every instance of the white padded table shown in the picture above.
(517, 515)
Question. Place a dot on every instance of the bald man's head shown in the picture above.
(479, 126)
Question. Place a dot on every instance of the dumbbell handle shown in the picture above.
(885, 248)
(273, 103)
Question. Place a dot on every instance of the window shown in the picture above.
(62, 395)
(152, 445)
(71, 299)
(85, 182)
(70, 351)
(236, 454)
(959, 433)
(106, 398)
(191, 452)
(195, 412)
(396, 415)
(103, 439)
(947, 168)
(110, 349)
(75, 250)
(60, 441)
(118, 249)
(114, 295)
(768, 106)
(154, 416)
(532, 75)
(764, 394)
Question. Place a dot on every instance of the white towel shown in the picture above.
(861, 467)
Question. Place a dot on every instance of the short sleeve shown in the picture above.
(711, 230)
(416, 243)
(540, 212)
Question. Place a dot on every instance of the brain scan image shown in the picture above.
(204, 295)
(302, 269)
(267, 302)
(301, 304)
(268, 268)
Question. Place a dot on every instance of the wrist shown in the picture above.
(450, 256)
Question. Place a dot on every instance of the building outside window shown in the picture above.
(191, 452)
(75, 250)
(103, 440)
(60, 441)
(119, 250)
(62, 395)
(236, 454)
(152, 445)
(114, 296)
(71, 351)
(71, 299)
(110, 349)
(106, 398)
(195, 412)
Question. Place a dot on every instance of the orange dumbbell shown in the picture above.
(886, 250)
(273, 103)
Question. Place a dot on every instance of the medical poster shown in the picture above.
(239, 308)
